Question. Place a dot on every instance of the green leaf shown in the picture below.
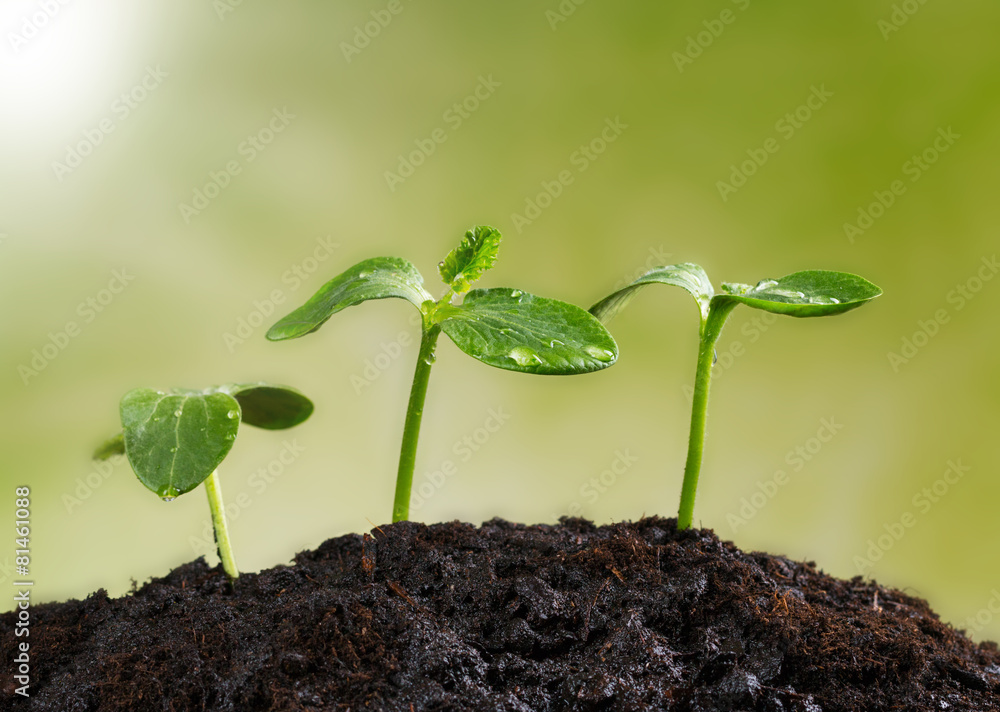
(110, 448)
(268, 406)
(175, 439)
(804, 294)
(518, 331)
(467, 262)
(377, 278)
(687, 275)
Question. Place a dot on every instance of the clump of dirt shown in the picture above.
(507, 617)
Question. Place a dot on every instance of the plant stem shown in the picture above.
(222, 543)
(711, 329)
(411, 431)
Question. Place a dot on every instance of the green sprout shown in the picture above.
(505, 328)
(176, 439)
(801, 294)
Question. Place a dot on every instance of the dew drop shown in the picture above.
(515, 293)
(715, 356)
(599, 353)
(555, 342)
(230, 436)
(524, 356)
(765, 284)
(823, 300)
(232, 414)
(173, 449)
(177, 413)
(364, 274)
(168, 494)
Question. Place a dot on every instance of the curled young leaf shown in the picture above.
(377, 278)
(804, 294)
(270, 407)
(467, 262)
(687, 275)
(175, 439)
(518, 331)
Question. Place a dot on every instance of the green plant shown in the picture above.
(176, 439)
(801, 294)
(505, 328)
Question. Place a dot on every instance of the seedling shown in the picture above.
(176, 439)
(801, 294)
(505, 328)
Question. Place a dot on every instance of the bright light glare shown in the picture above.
(56, 62)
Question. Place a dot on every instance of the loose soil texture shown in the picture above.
(506, 617)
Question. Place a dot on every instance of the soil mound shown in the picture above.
(633, 616)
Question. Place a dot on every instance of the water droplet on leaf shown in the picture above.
(177, 413)
(599, 353)
(168, 499)
(524, 356)
(764, 284)
(232, 414)
(515, 293)
(823, 300)
(168, 494)
(555, 342)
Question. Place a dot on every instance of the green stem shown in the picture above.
(411, 431)
(711, 329)
(222, 543)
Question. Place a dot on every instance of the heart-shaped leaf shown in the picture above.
(467, 262)
(804, 294)
(518, 331)
(687, 276)
(175, 439)
(270, 407)
(377, 278)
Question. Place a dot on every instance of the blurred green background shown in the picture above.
(286, 119)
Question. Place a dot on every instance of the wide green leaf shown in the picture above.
(804, 294)
(377, 278)
(175, 439)
(467, 262)
(268, 406)
(687, 275)
(518, 331)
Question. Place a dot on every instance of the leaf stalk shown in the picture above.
(222, 543)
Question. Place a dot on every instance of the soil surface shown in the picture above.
(506, 617)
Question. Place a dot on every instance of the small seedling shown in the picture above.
(176, 439)
(801, 294)
(505, 328)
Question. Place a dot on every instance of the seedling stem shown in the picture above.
(411, 430)
(214, 491)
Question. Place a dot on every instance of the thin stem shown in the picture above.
(411, 431)
(222, 543)
(710, 332)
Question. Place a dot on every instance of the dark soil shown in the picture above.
(506, 617)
